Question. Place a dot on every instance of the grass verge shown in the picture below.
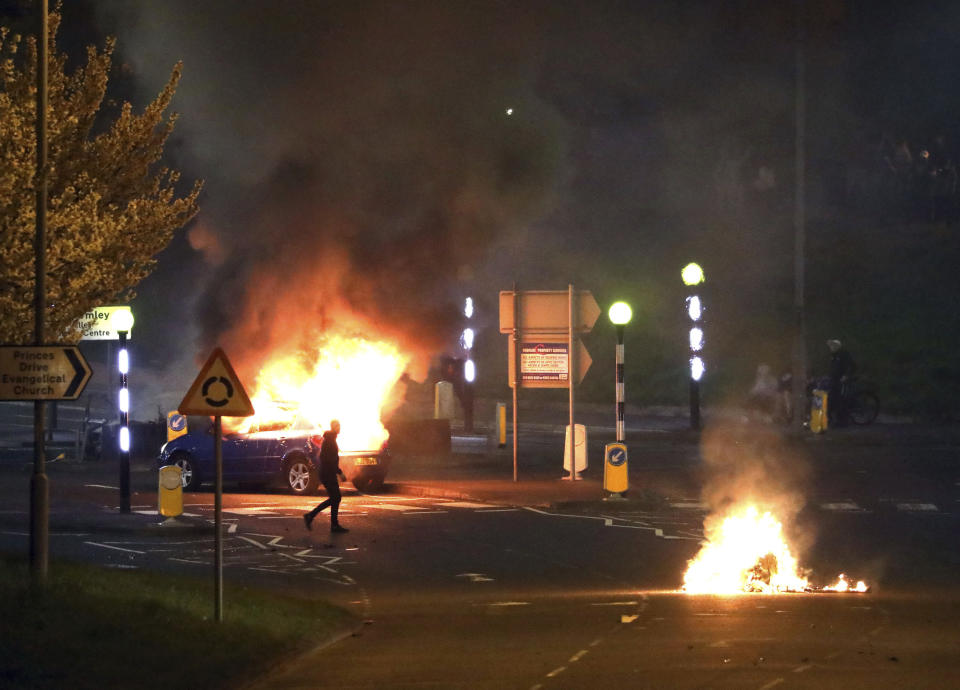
(94, 627)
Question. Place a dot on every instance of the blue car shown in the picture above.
(266, 456)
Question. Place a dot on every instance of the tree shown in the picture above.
(112, 207)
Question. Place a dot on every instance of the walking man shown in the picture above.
(329, 469)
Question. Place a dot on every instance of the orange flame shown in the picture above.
(745, 552)
(347, 378)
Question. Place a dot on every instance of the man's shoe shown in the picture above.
(307, 519)
(338, 528)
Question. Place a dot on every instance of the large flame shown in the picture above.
(347, 378)
(745, 552)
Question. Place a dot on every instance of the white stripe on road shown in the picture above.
(847, 506)
(115, 548)
(917, 507)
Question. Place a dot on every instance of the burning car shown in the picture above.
(269, 453)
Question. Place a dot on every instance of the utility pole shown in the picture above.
(39, 492)
(799, 227)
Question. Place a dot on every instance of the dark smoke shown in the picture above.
(359, 161)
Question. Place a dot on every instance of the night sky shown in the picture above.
(362, 170)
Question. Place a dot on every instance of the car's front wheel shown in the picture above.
(301, 476)
(189, 476)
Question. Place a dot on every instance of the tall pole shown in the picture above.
(516, 370)
(123, 366)
(218, 520)
(620, 385)
(799, 227)
(571, 374)
(39, 492)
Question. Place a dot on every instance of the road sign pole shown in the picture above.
(218, 522)
(39, 493)
(570, 379)
(516, 370)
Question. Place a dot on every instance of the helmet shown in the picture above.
(834, 345)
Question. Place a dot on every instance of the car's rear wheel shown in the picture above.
(301, 476)
(189, 477)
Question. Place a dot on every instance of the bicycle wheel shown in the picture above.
(864, 408)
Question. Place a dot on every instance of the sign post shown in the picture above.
(217, 392)
(544, 351)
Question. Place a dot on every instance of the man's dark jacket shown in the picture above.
(329, 456)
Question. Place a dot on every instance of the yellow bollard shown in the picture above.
(818, 412)
(615, 479)
(501, 424)
(170, 491)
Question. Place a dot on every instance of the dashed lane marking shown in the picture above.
(843, 507)
(917, 507)
(463, 504)
(772, 684)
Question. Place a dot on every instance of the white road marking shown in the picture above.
(253, 541)
(499, 510)
(608, 522)
(464, 504)
(801, 669)
(689, 505)
(510, 603)
(476, 577)
(579, 655)
(391, 506)
(848, 507)
(250, 511)
(596, 642)
(772, 684)
(917, 507)
(556, 672)
(115, 548)
(614, 603)
(102, 486)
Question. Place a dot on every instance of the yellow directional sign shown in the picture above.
(55, 372)
(217, 391)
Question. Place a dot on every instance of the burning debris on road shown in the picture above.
(747, 552)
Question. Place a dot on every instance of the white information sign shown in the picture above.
(95, 324)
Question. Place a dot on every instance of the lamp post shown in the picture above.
(122, 321)
(693, 276)
(620, 314)
(615, 479)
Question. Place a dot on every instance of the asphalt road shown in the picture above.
(469, 594)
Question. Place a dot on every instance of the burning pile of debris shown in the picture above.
(746, 552)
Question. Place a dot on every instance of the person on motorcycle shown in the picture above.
(842, 368)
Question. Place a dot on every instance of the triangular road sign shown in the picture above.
(217, 391)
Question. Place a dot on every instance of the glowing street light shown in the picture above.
(692, 275)
(615, 479)
(620, 314)
(122, 321)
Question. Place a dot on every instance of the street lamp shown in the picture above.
(693, 276)
(620, 314)
(615, 479)
(122, 321)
